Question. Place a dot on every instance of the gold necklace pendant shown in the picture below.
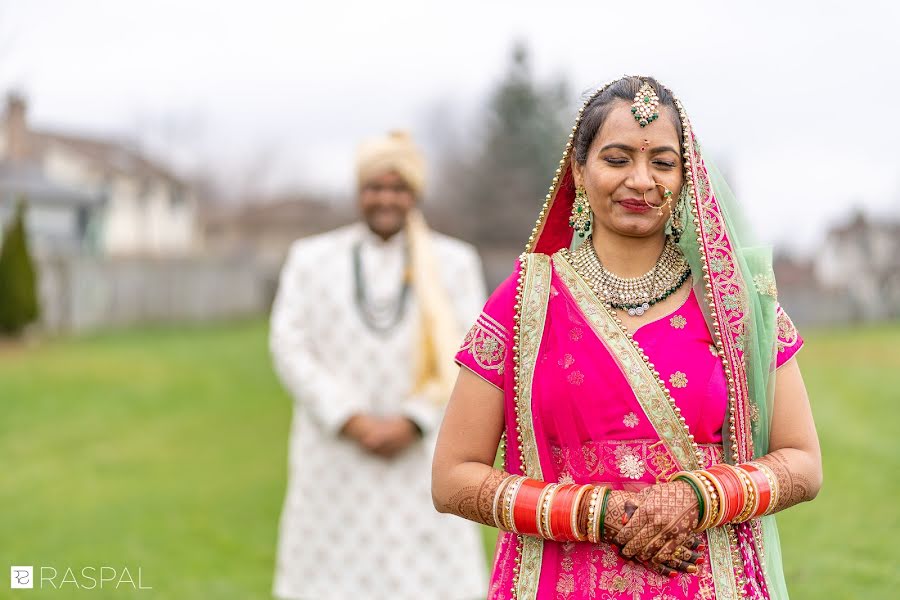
(635, 295)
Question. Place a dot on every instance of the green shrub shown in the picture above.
(18, 292)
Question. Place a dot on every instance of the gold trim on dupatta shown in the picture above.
(532, 296)
(653, 396)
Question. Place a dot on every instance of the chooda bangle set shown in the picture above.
(552, 511)
(731, 494)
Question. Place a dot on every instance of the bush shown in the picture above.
(18, 293)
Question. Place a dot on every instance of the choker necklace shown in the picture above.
(635, 295)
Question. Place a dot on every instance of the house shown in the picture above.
(862, 258)
(59, 219)
(117, 202)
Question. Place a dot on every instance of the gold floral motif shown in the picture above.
(575, 378)
(787, 332)
(630, 420)
(486, 346)
(765, 284)
(566, 361)
(575, 334)
(629, 579)
(630, 464)
(678, 322)
(754, 413)
(678, 379)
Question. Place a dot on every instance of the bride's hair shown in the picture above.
(597, 110)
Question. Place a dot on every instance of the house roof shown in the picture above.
(108, 155)
(29, 181)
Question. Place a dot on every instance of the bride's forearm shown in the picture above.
(798, 476)
(468, 491)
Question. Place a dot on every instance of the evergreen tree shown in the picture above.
(18, 293)
(502, 184)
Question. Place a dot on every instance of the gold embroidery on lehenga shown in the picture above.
(678, 322)
(678, 379)
(631, 466)
(787, 333)
(576, 378)
(630, 420)
(486, 342)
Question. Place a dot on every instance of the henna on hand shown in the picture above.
(620, 504)
(623, 504)
(476, 503)
(668, 512)
(793, 487)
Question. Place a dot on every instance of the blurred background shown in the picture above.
(157, 158)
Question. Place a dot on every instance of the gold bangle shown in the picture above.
(576, 512)
(592, 513)
(752, 502)
(498, 495)
(715, 509)
(510, 501)
(545, 501)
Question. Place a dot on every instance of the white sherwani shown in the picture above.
(356, 526)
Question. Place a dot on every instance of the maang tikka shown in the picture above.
(580, 220)
(645, 106)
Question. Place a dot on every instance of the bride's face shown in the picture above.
(623, 166)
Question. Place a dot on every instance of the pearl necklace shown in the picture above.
(638, 294)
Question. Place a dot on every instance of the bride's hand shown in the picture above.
(665, 517)
(683, 557)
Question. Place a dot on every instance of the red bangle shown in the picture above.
(525, 506)
(561, 513)
(762, 488)
(734, 489)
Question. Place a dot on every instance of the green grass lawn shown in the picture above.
(164, 450)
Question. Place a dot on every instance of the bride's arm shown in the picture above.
(463, 480)
(794, 455)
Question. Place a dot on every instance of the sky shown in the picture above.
(796, 100)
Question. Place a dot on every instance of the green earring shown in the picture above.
(675, 221)
(580, 220)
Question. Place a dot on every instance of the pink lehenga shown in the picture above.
(587, 403)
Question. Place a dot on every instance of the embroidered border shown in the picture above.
(787, 332)
(726, 295)
(533, 317)
(487, 343)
